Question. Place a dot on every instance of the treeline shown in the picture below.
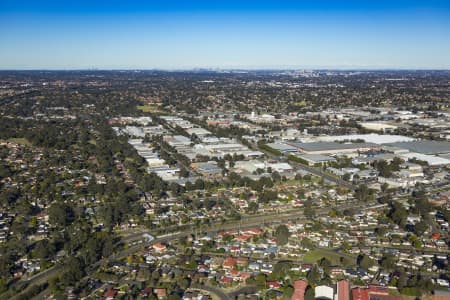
(297, 159)
(52, 134)
(262, 144)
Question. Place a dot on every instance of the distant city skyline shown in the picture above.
(174, 34)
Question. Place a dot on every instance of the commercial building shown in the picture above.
(177, 140)
(177, 121)
(134, 131)
(431, 160)
(208, 169)
(388, 157)
(368, 138)
(279, 167)
(335, 148)
(283, 147)
(199, 132)
(249, 166)
(378, 126)
(425, 147)
(314, 159)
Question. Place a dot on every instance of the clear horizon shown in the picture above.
(175, 35)
(238, 68)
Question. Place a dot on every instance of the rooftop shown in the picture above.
(425, 147)
(316, 157)
(432, 160)
(282, 147)
(369, 138)
(323, 146)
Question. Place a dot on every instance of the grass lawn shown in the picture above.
(335, 258)
(302, 103)
(149, 109)
(394, 292)
(22, 141)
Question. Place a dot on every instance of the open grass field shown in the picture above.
(22, 141)
(149, 109)
(335, 258)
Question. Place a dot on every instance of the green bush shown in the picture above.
(297, 159)
(410, 291)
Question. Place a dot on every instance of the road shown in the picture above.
(39, 278)
(246, 290)
(255, 220)
(326, 176)
(218, 292)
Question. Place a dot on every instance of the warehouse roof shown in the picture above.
(369, 138)
(322, 146)
(432, 160)
(316, 158)
(282, 147)
(425, 147)
(198, 131)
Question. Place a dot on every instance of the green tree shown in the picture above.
(43, 249)
(267, 196)
(313, 275)
(398, 214)
(402, 280)
(73, 271)
(388, 262)
(309, 210)
(365, 262)
(288, 291)
(421, 227)
(363, 193)
(252, 207)
(61, 214)
(306, 243)
(325, 264)
(282, 235)
(309, 293)
(281, 268)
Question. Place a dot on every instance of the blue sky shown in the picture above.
(79, 34)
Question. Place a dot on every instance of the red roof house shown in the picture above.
(159, 247)
(110, 294)
(343, 290)
(299, 290)
(273, 284)
(229, 262)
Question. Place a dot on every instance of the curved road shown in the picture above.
(218, 292)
